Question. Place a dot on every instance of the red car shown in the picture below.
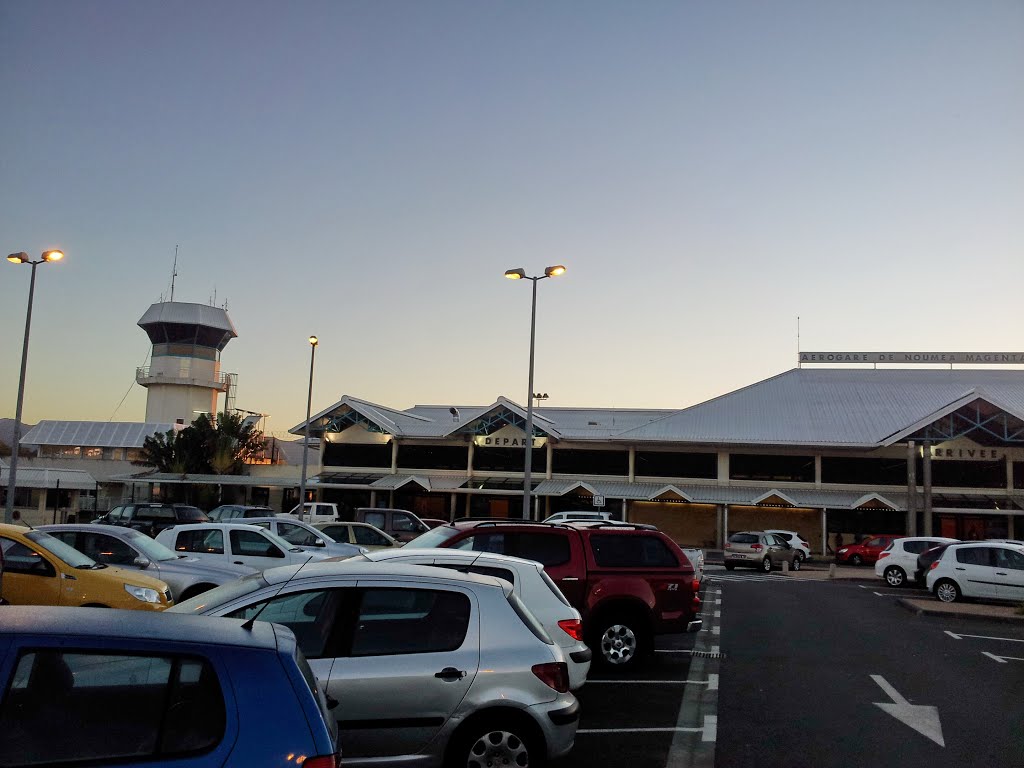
(865, 552)
(629, 582)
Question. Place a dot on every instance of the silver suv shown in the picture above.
(760, 549)
(429, 666)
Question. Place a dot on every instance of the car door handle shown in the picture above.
(238, 562)
(450, 674)
(960, 569)
(1000, 573)
(570, 578)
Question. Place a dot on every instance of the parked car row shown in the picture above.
(463, 654)
(952, 569)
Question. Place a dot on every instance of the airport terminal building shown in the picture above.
(816, 450)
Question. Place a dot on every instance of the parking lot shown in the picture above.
(795, 672)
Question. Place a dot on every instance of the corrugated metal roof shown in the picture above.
(70, 479)
(94, 434)
(828, 407)
(813, 407)
(239, 480)
(188, 313)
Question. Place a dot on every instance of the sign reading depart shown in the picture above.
(931, 358)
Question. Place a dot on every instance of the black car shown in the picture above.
(925, 560)
(151, 517)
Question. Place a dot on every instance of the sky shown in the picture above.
(366, 172)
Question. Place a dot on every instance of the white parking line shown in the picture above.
(718, 614)
(1001, 659)
(712, 682)
(710, 728)
(956, 636)
(894, 594)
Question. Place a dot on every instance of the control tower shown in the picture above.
(183, 377)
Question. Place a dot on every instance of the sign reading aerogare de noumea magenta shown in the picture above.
(931, 358)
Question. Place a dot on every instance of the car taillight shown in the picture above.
(554, 675)
(933, 566)
(322, 761)
(883, 554)
(728, 545)
(572, 627)
(804, 544)
(756, 547)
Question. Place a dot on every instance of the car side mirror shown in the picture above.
(320, 543)
(141, 562)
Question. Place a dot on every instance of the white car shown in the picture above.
(897, 563)
(796, 541)
(564, 517)
(529, 582)
(306, 537)
(235, 543)
(979, 569)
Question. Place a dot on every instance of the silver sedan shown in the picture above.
(306, 537)
(128, 548)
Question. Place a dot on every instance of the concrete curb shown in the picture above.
(952, 614)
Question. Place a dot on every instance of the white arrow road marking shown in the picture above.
(984, 637)
(923, 719)
(1001, 659)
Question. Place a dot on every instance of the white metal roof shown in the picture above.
(69, 479)
(857, 408)
(94, 434)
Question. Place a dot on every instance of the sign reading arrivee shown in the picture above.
(915, 358)
(598, 501)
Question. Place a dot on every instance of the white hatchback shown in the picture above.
(235, 543)
(897, 563)
(530, 583)
(980, 569)
(796, 541)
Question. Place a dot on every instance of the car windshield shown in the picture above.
(284, 544)
(190, 515)
(435, 537)
(65, 552)
(225, 593)
(152, 549)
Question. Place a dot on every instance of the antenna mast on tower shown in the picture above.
(174, 271)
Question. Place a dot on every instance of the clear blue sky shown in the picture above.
(366, 171)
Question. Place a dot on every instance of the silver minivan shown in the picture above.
(428, 666)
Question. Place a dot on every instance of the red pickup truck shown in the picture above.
(630, 583)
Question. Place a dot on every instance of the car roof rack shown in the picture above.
(489, 521)
(612, 524)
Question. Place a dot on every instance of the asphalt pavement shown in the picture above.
(808, 664)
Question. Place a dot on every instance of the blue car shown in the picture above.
(103, 687)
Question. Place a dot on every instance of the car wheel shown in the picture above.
(799, 557)
(496, 741)
(796, 562)
(947, 591)
(856, 560)
(895, 576)
(195, 589)
(729, 566)
(766, 565)
(621, 642)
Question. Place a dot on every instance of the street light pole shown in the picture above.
(520, 274)
(313, 341)
(22, 258)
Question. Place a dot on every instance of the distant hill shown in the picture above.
(7, 431)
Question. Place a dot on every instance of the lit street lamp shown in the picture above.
(313, 341)
(520, 274)
(22, 258)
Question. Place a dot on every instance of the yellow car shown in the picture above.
(39, 569)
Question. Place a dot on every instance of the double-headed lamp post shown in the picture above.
(520, 274)
(23, 258)
(313, 341)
